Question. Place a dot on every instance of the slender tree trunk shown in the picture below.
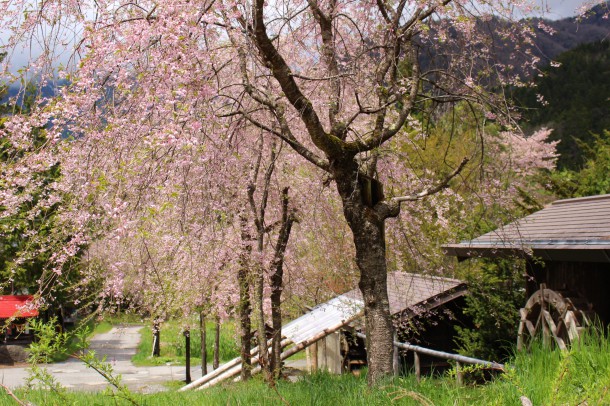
(187, 346)
(245, 307)
(367, 225)
(156, 351)
(277, 286)
(216, 342)
(261, 328)
(204, 347)
(245, 324)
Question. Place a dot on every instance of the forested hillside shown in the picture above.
(572, 99)
(571, 32)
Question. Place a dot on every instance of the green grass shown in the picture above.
(173, 345)
(101, 327)
(123, 318)
(580, 376)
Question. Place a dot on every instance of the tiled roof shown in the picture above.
(571, 224)
(408, 290)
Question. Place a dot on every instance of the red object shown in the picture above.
(13, 306)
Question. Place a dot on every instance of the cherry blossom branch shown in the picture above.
(329, 56)
(267, 184)
(251, 187)
(287, 136)
(282, 73)
(391, 208)
(434, 189)
(326, 78)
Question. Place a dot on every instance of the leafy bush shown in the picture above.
(495, 295)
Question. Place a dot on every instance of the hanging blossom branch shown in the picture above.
(434, 189)
(391, 208)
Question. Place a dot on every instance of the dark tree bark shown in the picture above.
(367, 225)
(277, 285)
(245, 308)
(187, 347)
(156, 351)
(204, 347)
(216, 342)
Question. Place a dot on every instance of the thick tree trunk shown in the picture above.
(370, 257)
(216, 363)
(204, 347)
(276, 320)
(367, 226)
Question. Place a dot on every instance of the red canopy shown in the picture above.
(13, 306)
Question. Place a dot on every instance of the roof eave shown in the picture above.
(549, 252)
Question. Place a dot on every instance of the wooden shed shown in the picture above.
(426, 304)
(567, 248)
(329, 330)
(15, 307)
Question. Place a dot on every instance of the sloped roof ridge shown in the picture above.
(580, 199)
(425, 276)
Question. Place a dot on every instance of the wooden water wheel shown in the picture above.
(558, 317)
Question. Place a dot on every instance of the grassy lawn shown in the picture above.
(579, 376)
(173, 344)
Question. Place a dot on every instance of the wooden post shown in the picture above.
(217, 343)
(314, 357)
(546, 333)
(156, 350)
(396, 359)
(417, 366)
(187, 345)
(459, 375)
(204, 348)
(322, 363)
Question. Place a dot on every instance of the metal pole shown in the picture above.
(445, 355)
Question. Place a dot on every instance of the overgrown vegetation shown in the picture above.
(496, 292)
(592, 178)
(578, 376)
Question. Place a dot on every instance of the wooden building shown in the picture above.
(16, 334)
(567, 250)
(330, 330)
(425, 309)
(16, 308)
